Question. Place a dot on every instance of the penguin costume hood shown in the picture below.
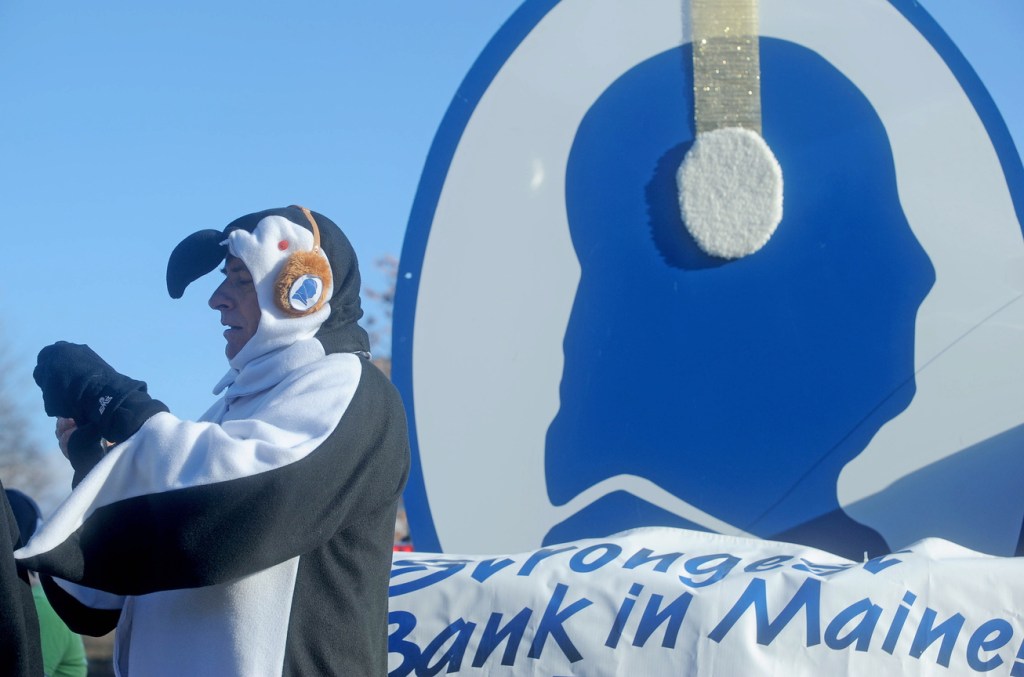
(305, 272)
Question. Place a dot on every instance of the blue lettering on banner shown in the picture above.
(645, 556)
(699, 571)
(397, 642)
(495, 634)
(539, 555)
(756, 595)
(860, 633)
(882, 563)
(457, 635)
(461, 630)
(660, 617)
(579, 562)
(489, 567)
(767, 564)
(551, 625)
(718, 567)
(891, 637)
(820, 569)
(990, 636)
(445, 569)
(928, 633)
(623, 615)
(654, 616)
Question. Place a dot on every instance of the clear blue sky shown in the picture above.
(126, 126)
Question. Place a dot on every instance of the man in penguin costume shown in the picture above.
(257, 540)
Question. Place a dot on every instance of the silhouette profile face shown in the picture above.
(740, 387)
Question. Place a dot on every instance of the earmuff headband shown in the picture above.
(312, 222)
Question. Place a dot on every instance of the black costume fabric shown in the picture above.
(20, 652)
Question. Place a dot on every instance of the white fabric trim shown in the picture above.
(94, 599)
(230, 629)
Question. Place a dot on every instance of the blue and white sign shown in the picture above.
(675, 602)
(574, 365)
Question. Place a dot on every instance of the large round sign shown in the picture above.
(574, 365)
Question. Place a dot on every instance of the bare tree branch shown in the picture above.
(24, 464)
(381, 303)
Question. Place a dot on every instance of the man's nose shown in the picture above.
(220, 299)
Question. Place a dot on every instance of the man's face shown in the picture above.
(235, 298)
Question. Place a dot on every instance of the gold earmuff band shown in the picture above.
(312, 222)
(726, 64)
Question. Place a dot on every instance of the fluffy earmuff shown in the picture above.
(301, 286)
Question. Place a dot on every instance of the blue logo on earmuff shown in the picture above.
(305, 292)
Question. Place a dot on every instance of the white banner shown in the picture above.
(662, 601)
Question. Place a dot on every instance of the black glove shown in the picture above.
(78, 384)
(85, 449)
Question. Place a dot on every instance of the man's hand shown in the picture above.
(82, 446)
(65, 427)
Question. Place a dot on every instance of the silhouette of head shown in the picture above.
(741, 387)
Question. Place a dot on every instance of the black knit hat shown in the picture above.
(26, 513)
